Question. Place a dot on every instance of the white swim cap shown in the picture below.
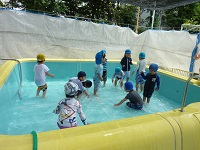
(71, 88)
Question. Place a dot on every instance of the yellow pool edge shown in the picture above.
(173, 130)
(6, 68)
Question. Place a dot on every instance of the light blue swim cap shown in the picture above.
(128, 51)
(153, 67)
(103, 51)
(142, 55)
(117, 70)
(128, 86)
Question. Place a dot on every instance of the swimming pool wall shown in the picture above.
(167, 131)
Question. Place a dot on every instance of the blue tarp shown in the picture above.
(194, 52)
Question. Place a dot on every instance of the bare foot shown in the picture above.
(96, 95)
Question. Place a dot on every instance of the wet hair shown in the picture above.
(81, 74)
(71, 96)
(87, 83)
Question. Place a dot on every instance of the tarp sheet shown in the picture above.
(24, 35)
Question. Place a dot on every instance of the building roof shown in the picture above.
(159, 4)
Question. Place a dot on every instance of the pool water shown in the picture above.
(35, 113)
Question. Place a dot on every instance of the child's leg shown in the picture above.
(104, 83)
(79, 94)
(96, 87)
(148, 100)
(44, 93)
(104, 78)
(38, 91)
(115, 81)
(121, 83)
(95, 92)
(136, 87)
(44, 89)
(144, 99)
(141, 87)
(127, 79)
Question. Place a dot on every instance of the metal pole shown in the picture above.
(153, 16)
(186, 89)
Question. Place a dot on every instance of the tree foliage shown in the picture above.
(189, 14)
(107, 11)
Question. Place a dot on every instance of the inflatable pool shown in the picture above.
(172, 130)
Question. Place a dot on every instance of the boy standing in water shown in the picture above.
(141, 66)
(151, 79)
(126, 61)
(98, 71)
(104, 63)
(41, 71)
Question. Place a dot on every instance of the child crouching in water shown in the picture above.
(118, 75)
(135, 101)
(68, 107)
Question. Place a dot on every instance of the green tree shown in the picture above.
(97, 10)
(174, 18)
(126, 15)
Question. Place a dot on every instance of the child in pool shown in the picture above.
(41, 71)
(135, 101)
(126, 61)
(82, 84)
(141, 66)
(151, 79)
(118, 76)
(68, 107)
(104, 63)
(98, 71)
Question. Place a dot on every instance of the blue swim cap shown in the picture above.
(117, 70)
(81, 74)
(128, 51)
(142, 55)
(128, 86)
(98, 58)
(103, 51)
(153, 67)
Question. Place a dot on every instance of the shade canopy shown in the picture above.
(159, 4)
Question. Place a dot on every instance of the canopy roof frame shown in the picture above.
(160, 4)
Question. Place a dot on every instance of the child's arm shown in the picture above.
(122, 62)
(113, 77)
(48, 74)
(142, 74)
(120, 102)
(136, 68)
(131, 61)
(86, 93)
(158, 83)
(197, 56)
(57, 110)
(100, 77)
(122, 76)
